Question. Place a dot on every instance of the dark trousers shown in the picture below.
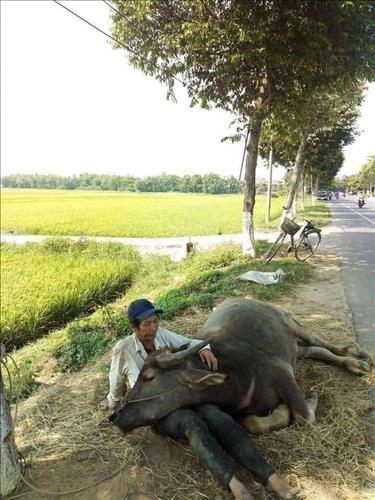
(209, 432)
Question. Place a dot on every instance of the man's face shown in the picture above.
(147, 329)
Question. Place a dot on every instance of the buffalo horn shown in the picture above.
(172, 359)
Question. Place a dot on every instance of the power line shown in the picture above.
(120, 14)
(115, 39)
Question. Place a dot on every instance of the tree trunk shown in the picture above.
(248, 242)
(313, 199)
(297, 173)
(302, 193)
(316, 187)
(269, 187)
(293, 209)
(9, 470)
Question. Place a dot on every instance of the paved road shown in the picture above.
(352, 236)
(174, 247)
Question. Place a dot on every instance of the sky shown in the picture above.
(71, 104)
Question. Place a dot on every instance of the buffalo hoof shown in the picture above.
(311, 401)
(357, 352)
(357, 366)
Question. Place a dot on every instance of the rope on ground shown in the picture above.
(16, 460)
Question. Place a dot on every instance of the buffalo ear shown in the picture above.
(198, 380)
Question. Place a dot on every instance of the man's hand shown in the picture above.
(208, 357)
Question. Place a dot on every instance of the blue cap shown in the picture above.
(142, 309)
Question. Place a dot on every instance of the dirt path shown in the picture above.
(67, 438)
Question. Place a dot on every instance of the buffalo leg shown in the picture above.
(303, 411)
(278, 419)
(313, 341)
(353, 365)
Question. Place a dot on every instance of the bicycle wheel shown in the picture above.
(274, 249)
(307, 245)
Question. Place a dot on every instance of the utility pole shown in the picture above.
(269, 187)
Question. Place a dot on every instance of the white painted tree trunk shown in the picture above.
(297, 174)
(248, 245)
(9, 470)
(315, 189)
(248, 240)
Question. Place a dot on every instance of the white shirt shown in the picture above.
(128, 358)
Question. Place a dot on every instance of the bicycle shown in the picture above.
(306, 245)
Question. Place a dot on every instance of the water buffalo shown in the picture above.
(257, 345)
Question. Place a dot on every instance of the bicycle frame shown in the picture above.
(306, 229)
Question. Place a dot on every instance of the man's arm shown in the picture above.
(175, 341)
(117, 376)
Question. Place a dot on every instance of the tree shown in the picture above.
(366, 175)
(313, 130)
(10, 466)
(242, 55)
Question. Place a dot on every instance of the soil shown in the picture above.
(69, 443)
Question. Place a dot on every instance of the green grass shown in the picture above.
(43, 286)
(320, 215)
(176, 287)
(98, 213)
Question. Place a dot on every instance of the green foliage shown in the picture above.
(363, 180)
(208, 183)
(319, 214)
(366, 175)
(221, 256)
(82, 346)
(125, 214)
(43, 286)
(31, 359)
(326, 123)
(229, 53)
(253, 59)
(221, 282)
(175, 287)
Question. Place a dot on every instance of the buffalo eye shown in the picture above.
(148, 374)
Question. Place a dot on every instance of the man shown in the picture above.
(207, 428)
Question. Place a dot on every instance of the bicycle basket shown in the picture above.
(289, 227)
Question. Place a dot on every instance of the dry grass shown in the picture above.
(70, 442)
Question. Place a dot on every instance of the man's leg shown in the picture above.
(187, 424)
(236, 441)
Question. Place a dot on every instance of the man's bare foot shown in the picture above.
(240, 492)
(281, 487)
(104, 405)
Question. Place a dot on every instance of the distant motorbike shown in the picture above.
(337, 195)
(361, 202)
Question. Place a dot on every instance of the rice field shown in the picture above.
(110, 213)
(43, 286)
